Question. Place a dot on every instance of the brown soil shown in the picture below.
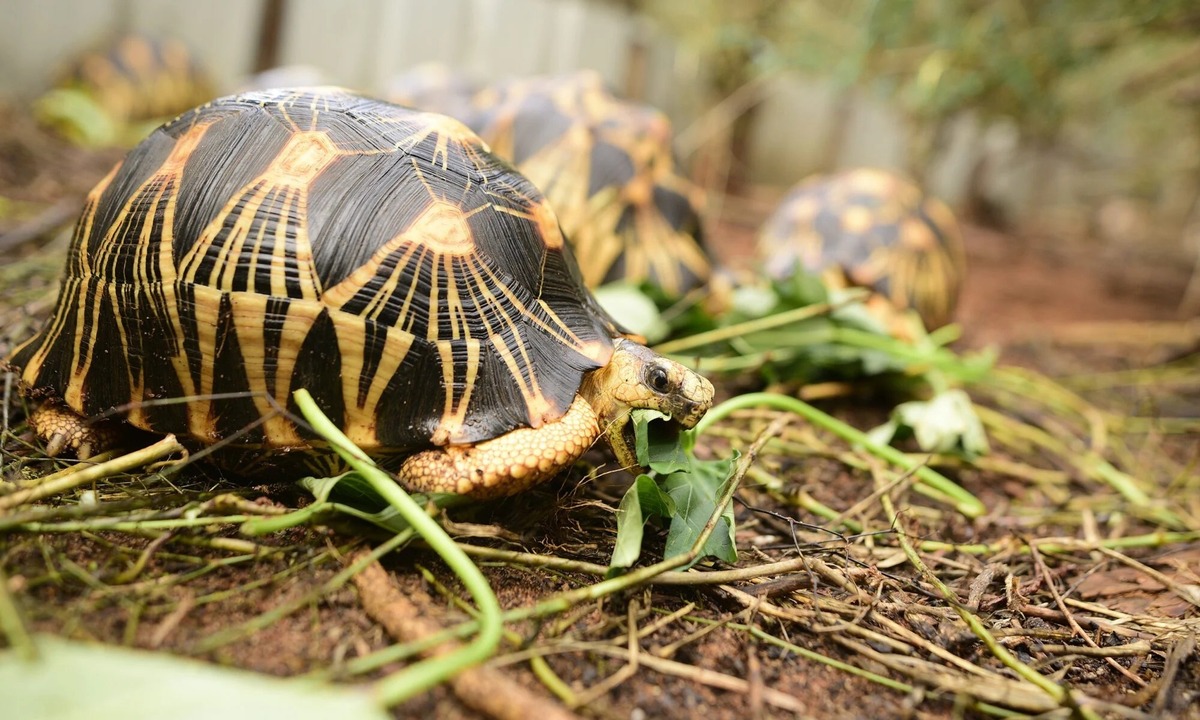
(1047, 306)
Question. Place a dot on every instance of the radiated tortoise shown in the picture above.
(870, 228)
(380, 257)
(607, 166)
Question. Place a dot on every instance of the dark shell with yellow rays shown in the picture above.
(870, 228)
(377, 256)
(137, 77)
(607, 167)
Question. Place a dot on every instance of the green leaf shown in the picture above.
(802, 288)
(654, 501)
(947, 423)
(631, 524)
(322, 488)
(753, 301)
(349, 488)
(695, 495)
(658, 442)
(644, 500)
(885, 433)
(97, 682)
(78, 116)
(633, 309)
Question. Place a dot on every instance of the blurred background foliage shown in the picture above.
(1060, 119)
(1111, 85)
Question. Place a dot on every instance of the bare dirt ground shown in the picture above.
(1111, 621)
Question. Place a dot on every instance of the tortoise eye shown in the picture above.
(658, 380)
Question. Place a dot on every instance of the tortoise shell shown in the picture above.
(137, 77)
(380, 257)
(870, 228)
(607, 166)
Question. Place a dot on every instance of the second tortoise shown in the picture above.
(605, 163)
(870, 228)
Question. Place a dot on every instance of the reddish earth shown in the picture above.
(1025, 289)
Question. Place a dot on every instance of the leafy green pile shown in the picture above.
(798, 332)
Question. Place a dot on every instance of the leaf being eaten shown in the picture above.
(659, 442)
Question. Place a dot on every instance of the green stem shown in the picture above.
(402, 685)
(83, 474)
(128, 526)
(931, 483)
(966, 370)
(769, 322)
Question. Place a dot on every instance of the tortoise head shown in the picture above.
(637, 377)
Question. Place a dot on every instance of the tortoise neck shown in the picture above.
(611, 389)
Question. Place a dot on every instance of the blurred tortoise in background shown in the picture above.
(104, 92)
(434, 87)
(605, 164)
(607, 167)
(285, 76)
(379, 257)
(874, 229)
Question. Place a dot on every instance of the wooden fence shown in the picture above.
(357, 43)
(801, 126)
(363, 43)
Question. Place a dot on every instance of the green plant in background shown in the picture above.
(1108, 82)
(1002, 59)
(798, 331)
(78, 117)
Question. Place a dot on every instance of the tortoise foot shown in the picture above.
(61, 428)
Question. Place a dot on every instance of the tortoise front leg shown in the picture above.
(507, 464)
(61, 428)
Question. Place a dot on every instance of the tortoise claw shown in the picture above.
(55, 444)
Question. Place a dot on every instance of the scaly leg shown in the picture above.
(64, 429)
(507, 464)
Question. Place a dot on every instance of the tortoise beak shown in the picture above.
(694, 398)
